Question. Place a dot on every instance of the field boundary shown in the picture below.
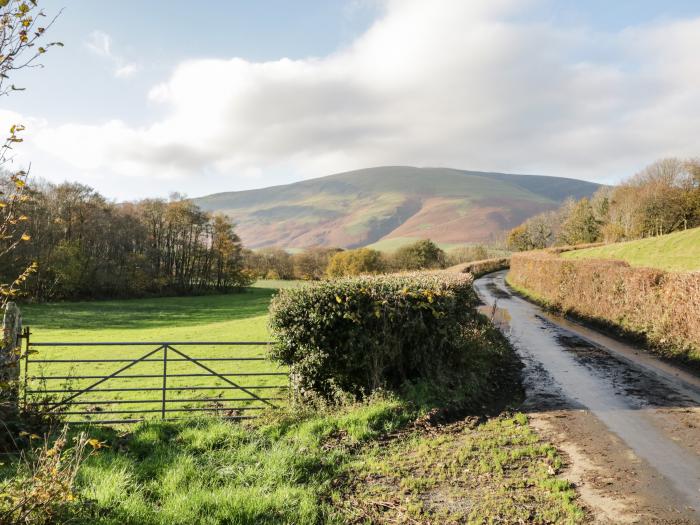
(70, 402)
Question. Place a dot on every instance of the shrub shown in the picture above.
(421, 255)
(356, 262)
(42, 490)
(356, 335)
(465, 254)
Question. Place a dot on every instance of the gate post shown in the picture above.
(10, 352)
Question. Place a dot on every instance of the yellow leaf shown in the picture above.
(26, 236)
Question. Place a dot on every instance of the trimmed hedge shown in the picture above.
(356, 335)
(661, 307)
(482, 267)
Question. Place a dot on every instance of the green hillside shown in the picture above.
(678, 251)
(362, 207)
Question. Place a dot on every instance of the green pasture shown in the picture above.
(233, 317)
(679, 251)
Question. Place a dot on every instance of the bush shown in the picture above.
(42, 489)
(357, 335)
(421, 255)
(356, 262)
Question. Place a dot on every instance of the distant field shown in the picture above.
(678, 251)
(391, 245)
(233, 317)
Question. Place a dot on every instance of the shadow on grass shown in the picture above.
(149, 313)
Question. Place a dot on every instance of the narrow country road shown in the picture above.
(628, 423)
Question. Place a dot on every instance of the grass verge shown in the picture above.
(676, 252)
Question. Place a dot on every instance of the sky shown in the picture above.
(149, 98)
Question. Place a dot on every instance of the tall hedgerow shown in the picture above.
(356, 335)
(660, 307)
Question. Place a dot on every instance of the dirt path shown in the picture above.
(629, 423)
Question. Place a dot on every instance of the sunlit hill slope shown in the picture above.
(397, 203)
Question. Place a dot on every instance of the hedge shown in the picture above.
(482, 267)
(355, 335)
(661, 307)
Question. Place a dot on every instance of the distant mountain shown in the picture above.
(391, 205)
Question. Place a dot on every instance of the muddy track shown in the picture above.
(628, 422)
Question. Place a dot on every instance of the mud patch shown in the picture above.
(641, 388)
(615, 485)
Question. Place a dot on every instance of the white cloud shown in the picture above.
(100, 43)
(448, 82)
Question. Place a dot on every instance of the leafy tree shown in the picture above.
(423, 254)
(311, 264)
(580, 226)
(269, 263)
(227, 256)
(356, 262)
(519, 239)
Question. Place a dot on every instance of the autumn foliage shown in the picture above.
(662, 307)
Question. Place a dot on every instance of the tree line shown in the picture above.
(319, 263)
(662, 198)
(83, 246)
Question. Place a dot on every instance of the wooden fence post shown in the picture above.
(10, 353)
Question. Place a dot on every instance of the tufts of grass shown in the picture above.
(210, 471)
(361, 463)
(468, 472)
(676, 252)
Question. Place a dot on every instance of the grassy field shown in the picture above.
(677, 252)
(233, 317)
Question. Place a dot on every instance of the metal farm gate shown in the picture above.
(126, 382)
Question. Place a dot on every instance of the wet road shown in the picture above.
(648, 405)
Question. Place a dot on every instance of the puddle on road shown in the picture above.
(496, 291)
